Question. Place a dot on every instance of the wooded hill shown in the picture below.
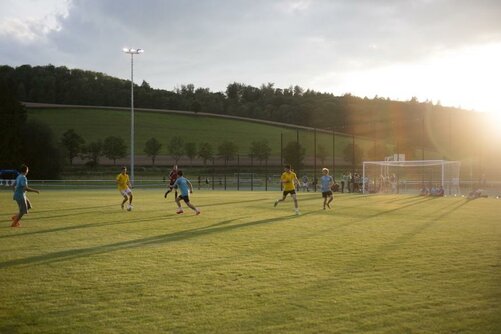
(410, 126)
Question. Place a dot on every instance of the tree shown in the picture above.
(93, 151)
(260, 150)
(407, 146)
(321, 153)
(12, 119)
(205, 152)
(114, 148)
(176, 148)
(294, 154)
(73, 144)
(234, 91)
(190, 149)
(348, 154)
(152, 149)
(227, 150)
(298, 91)
(378, 152)
(40, 151)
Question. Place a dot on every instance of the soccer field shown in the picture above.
(372, 264)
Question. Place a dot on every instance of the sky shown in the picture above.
(444, 51)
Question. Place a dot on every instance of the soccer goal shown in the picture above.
(425, 177)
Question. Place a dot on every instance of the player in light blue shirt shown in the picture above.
(326, 183)
(185, 188)
(20, 189)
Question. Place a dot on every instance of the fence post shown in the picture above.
(213, 172)
(315, 156)
(252, 174)
(281, 148)
(333, 153)
(266, 175)
(238, 171)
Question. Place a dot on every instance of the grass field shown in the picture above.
(376, 264)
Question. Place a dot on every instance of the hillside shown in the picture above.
(95, 124)
(410, 125)
(421, 130)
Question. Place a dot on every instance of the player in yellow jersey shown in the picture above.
(289, 181)
(123, 184)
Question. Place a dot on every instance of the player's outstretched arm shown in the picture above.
(32, 190)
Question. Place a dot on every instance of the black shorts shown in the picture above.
(292, 192)
(326, 194)
(186, 199)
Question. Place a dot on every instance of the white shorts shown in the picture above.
(126, 192)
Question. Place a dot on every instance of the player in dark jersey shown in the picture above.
(172, 179)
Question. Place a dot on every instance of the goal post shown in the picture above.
(412, 176)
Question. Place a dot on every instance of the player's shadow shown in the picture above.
(70, 254)
(76, 208)
(385, 212)
(91, 225)
(429, 221)
(346, 213)
(79, 213)
(230, 203)
(368, 259)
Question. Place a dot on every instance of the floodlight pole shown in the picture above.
(132, 52)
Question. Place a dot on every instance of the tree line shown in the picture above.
(114, 148)
(26, 141)
(377, 118)
(32, 142)
(410, 127)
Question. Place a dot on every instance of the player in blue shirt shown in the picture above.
(326, 183)
(20, 189)
(185, 188)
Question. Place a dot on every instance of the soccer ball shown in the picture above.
(129, 207)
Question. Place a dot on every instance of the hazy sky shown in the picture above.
(446, 50)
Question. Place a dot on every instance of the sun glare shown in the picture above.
(466, 78)
(494, 123)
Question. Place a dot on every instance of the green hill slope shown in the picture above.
(95, 124)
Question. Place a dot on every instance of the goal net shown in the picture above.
(425, 177)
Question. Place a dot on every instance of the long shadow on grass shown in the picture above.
(91, 225)
(78, 208)
(79, 213)
(220, 227)
(428, 222)
(83, 210)
(385, 212)
(234, 202)
(113, 222)
(359, 265)
(341, 212)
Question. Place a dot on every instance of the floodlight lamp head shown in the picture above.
(132, 51)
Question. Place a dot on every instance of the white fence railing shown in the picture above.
(216, 182)
(232, 182)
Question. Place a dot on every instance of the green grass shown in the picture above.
(95, 124)
(376, 264)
